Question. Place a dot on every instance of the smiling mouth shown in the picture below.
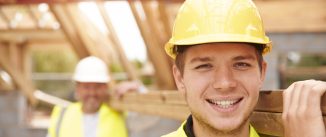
(225, 104)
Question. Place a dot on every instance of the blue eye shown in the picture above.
(242, 65)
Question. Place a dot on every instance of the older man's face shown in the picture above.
(221, 83)
(91, 95)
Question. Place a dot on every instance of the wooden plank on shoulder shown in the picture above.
(267, 123)
(267, 117)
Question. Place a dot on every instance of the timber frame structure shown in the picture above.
(75, 29)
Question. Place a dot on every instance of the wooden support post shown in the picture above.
(129, 68)
(5, 18)
(155, 51)
(25, 85)
(4, 52)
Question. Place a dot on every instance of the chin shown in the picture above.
(223, 125)
(228, 126)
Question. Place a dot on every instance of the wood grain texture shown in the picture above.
(171, 104)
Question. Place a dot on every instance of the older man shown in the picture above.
(89, 117)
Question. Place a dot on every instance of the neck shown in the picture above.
(89, 110)
(204, 130)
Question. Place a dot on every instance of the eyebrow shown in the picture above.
(246, 57)
(201, 59)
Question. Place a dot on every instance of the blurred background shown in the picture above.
(42, 40)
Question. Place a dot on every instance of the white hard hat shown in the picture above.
(91, 69)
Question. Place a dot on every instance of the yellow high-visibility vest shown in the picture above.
(111, 123)
(181, 133)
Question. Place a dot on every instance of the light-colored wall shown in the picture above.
(11, 117)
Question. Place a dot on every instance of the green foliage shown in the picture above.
(54, 61)
(306, 60)
(138, 64)
(116, 67)
(147, 80)
(310, 60)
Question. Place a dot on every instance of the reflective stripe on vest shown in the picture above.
(57, 130)
(111, 123)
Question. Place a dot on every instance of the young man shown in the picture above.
(218, 47)
(89, 117)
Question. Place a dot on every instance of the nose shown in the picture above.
(223, 79)
(91, 90)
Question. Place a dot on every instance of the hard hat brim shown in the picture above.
(215, 38)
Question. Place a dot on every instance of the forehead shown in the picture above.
(220, 50)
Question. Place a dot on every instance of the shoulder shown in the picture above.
(107, 110)
(253, 132)
(173, 134)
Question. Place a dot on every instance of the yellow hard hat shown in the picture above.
(209, 21)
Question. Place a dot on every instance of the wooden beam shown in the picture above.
(25, 85)
(4, 48)
(318, 72)
(80, 28)
(267, 123)
(295, 16)
(20, 35)
(53, 100)
(266, 117)
(14, 56)
(90, 39)
(36, 1)
(154, 23)
(129, 68)
(5, 18)
(158, 23)
(155, 51)
(33, 16)
(4, 86)
(164, 18)
(60, 12)
(95, 41)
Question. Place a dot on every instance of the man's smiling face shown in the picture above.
(221, 83)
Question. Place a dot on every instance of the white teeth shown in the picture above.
(223, 103)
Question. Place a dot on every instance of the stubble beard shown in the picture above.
(209, 128)
(91, 106)
(205, 124)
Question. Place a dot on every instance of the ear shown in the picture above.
(263, 73)
(77, 91)
(178, 79)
